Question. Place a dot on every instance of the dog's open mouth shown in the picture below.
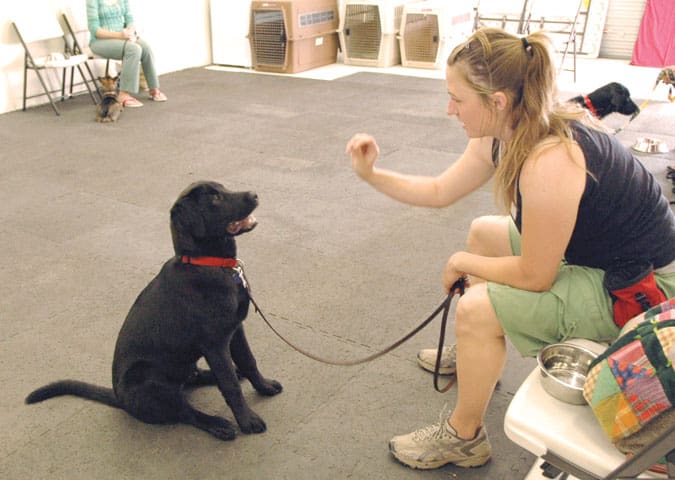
(243, 225)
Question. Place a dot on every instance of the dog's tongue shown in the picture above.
(243, 224)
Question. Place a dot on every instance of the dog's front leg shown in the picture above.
(220, 362)
(245, 362)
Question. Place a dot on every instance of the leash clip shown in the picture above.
(240, 276)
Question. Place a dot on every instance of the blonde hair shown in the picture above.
(493, 60)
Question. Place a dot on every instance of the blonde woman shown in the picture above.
(578, 202)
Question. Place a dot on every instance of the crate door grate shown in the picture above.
(362, 31)
(269, 37)
(421, 37)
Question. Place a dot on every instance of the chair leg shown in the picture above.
(92, 78)
(49, 95)
(574, 58)
(72, 81)
(86, 83)
(64, 75)
(25, 79)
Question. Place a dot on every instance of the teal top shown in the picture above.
(111, 15)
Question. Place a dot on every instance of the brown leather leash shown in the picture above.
(457, 287)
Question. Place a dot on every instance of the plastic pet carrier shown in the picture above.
(290, 36)
(368, 31)
(431, 29)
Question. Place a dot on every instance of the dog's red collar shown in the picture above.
(211, 261)
(590, 106)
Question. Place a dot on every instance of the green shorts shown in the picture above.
(576, 306)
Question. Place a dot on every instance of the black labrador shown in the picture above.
(193, 308)
(610, 98)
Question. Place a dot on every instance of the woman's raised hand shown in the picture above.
(364, 151)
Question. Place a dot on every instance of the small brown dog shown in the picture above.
(667, 76)
(110, 108)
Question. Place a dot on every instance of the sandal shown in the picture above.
(157, 95)
(131, 102)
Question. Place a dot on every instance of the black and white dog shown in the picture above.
(610, 98)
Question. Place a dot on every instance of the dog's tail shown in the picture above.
(77, 389)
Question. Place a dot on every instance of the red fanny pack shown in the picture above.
(633, 289)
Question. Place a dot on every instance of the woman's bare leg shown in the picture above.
(488, 236)
(481, 346)
(481, 353)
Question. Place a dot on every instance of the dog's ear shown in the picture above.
(187, 225)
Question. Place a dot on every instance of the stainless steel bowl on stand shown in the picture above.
(563, 369)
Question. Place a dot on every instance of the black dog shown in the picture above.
(193, 308)
(607, 99)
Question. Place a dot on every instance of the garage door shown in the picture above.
(621, 28)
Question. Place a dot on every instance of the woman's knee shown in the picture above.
(475, 315)
(489, 236)
(132, 52)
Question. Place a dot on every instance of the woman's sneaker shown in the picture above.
(426, 358)
(438, 445)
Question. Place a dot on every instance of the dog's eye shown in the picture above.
(215, 198)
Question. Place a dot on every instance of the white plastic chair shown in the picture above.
(35, 32)
(568, 439)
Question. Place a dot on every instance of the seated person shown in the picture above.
(581, 205)
(113, 36)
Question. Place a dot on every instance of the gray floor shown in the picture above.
(338, 268)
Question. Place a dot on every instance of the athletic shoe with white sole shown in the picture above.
(426, 358)
(437, 445)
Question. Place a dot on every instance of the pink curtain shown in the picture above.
(655, 45)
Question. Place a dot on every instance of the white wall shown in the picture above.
(179, 33)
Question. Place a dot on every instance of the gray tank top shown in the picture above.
(623, 214)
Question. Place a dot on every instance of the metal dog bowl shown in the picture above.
(563, 368)
(650, 145)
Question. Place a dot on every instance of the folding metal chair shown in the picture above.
(505, 15)
(574, 33)
(39, 30)
(78, 38)
(566, 22)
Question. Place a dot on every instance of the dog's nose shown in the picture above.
(252, 197)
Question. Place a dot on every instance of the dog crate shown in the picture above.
(431, 29)
(290, 36)
(368, 31)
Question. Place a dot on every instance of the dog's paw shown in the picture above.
(219, 427)
(224, 431)
(252, 423)
(268, 387)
